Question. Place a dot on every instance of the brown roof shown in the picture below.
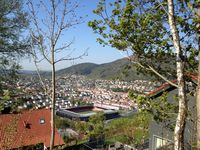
(25, 129)
(163, 87)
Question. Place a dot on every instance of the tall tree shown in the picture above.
(144, 28)
(48, 30)
(14, 22)
(182, 112)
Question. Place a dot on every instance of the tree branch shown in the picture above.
(73, 58)
(154, 71)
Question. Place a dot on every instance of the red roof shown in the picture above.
(166, 84)
(161, 88)
(193, 76)
(26, 128)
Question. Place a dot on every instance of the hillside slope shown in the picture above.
(113, 70)
(79, 69)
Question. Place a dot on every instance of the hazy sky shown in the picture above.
(84, 38)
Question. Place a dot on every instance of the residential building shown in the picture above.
(162, 133)
(27, 128)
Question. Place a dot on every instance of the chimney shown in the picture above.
(26, 125)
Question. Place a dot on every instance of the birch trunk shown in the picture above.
(182, 112)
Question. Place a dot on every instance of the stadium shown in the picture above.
(84, 112)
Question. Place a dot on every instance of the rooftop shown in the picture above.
(27, 128)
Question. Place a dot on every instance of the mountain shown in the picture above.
(79, 69)
(27, 72)
(33, 73)
(113, 70)
(109, 70)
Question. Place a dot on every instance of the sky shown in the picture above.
(84, 38)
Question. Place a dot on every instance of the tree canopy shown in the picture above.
(13, 45)
(142, 28)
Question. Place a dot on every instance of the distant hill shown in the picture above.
(33, 73)
(79, 69)
(112, 70)
(27, 72)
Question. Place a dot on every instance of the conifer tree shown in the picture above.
(13, 45)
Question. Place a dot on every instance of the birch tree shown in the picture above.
(182, 112)
(50, 21)
(158, 38)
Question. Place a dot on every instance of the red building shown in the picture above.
(27, 128)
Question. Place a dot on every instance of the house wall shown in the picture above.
(160, 131)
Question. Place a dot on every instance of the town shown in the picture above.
(76, 90)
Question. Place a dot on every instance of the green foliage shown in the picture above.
(120, 90)
(82, 127)
(13, 22)
(81, 102)
(4, 101)
(6, 95)
(142, 27)
(96, 125)
(132, 130)
(162, 109)
(9, 102)
(61, 123)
